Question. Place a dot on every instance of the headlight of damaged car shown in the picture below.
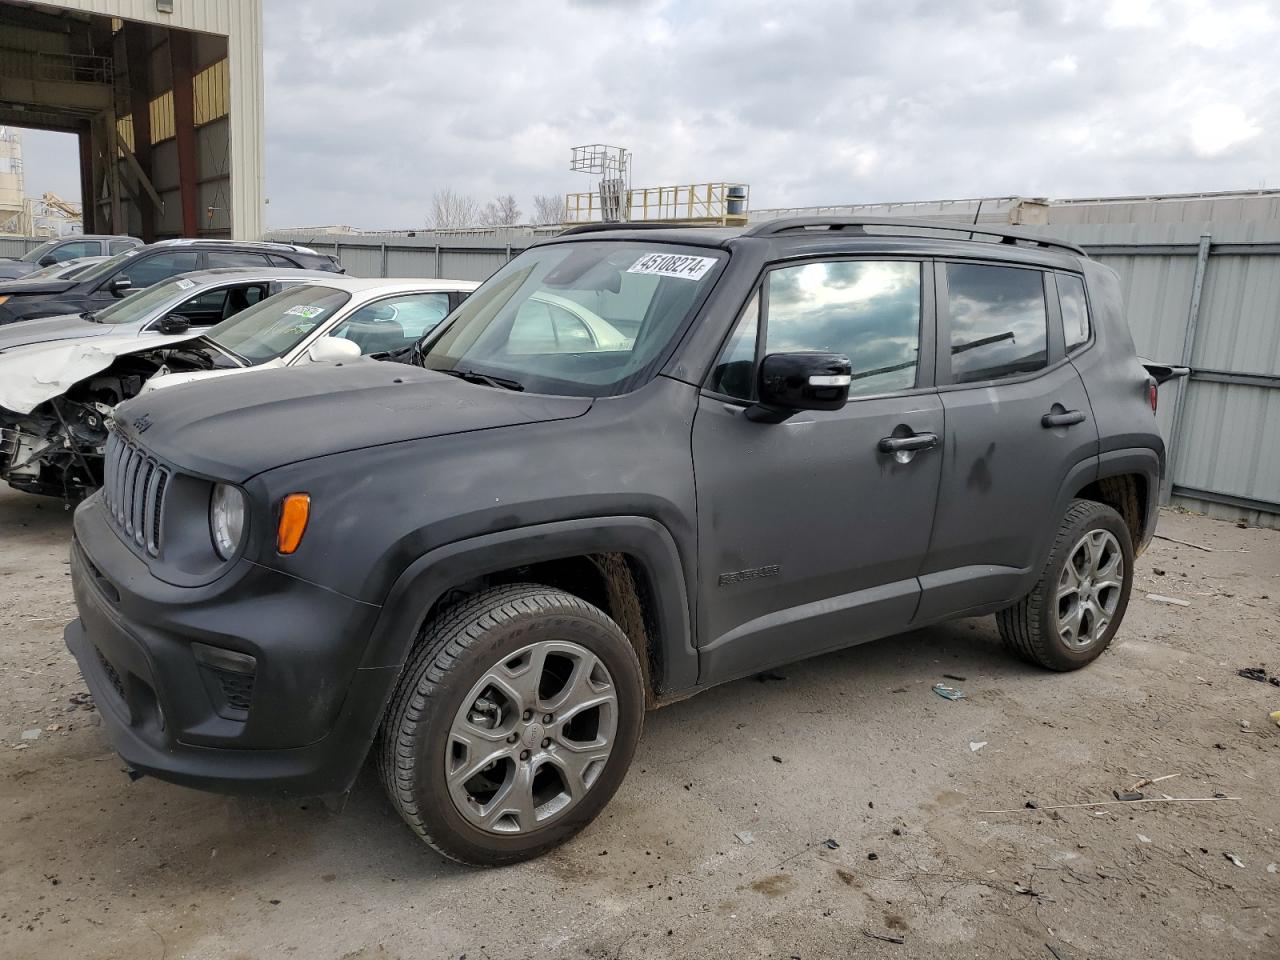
(226, 519)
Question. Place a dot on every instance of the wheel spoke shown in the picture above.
(479, 755)
(515, 799)
(574, 764)
(522, 681)
(1089, 588)
(581, 692)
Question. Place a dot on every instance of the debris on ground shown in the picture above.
(746, 838)
(1259, 674)
(776, 758)
(873, 856)
(1031, 805)
(1148, 781)
(33, 734)
(831, 844)
(1127, 795)
(1272, 868)
(1158, 598)
(1185, 543)
(886, 937)
(976, 745)
(952, 676)
(1276, 717)
(948, 693)
(1143, 838)
(1025, 890)
(1058, 952)
(1234, 859)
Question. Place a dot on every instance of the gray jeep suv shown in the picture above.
(634, 464)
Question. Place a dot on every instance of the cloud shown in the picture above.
(372, 107)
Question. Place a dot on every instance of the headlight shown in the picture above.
(226, 519)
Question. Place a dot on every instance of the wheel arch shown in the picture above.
(1128, 481)
(628, 566)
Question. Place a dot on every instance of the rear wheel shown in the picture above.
(513, 724)
(1070, 616)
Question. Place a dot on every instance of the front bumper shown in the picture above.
(300, 723)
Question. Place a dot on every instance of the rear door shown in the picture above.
(809, 536)
(1018, 429)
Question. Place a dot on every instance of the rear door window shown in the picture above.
(999, 327)
(236, 258)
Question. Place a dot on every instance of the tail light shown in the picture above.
(1153, 395)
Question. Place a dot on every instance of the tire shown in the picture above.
(463, 696)
(1042, 627)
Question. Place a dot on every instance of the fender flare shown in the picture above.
(427, 579)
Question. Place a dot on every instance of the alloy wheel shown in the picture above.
(1089, 589)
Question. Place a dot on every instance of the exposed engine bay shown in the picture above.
(56, 449)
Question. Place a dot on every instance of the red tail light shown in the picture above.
(1153, 395)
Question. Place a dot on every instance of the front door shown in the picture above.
(1018, 428)
(811, 532)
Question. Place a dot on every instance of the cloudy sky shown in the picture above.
(373, 106)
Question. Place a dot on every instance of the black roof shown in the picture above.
(897, 231)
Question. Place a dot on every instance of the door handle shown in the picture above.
(1065, 419)
(917, 441)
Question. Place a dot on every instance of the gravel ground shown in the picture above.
(852, 748)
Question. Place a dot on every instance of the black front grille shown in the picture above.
(133, 489)
(237, 689)
(111, 673)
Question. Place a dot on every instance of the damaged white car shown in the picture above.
(57, 396)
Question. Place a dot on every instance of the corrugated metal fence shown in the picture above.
(1207, 295)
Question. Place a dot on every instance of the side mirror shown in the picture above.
(174, 324)
(791, 382)
(48, 260)
(119, 286)
(332, 349)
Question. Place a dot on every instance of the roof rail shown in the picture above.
(1006, 235)
(619, 225)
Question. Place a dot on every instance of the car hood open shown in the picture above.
(48, 329)
(32, 374)
(267, 418)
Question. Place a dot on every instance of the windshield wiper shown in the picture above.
(90, 316)
(472, 377)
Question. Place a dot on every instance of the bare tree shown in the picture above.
(501, 212)
(548, 209)
(450, 210)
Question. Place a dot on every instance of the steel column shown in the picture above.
(184, 124)
(1188, 351)
(138, 54)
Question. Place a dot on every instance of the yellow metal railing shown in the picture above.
(724, 204)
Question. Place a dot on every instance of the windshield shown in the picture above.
(53, 271)
(275, 326)
(138, 306)
(34, 255)
(586, 318)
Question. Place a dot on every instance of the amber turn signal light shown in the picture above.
(295, 510)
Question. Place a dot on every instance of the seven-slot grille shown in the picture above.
(133, 488)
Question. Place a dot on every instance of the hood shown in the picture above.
(268, 418)
(16, 268)
(32, 374)
(48, 329)
(18, 288)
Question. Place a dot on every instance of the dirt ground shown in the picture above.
(853, 748)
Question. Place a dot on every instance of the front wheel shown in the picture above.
(1070, 616)
(513, 724)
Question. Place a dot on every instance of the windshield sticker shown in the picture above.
(304, 311)
(186, 284)
(673, 265)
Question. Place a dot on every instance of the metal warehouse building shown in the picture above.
(165, 97)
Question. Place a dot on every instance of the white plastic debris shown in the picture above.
(1143, 838)
(1158, 598)
(976, 745)
(33, 734)
(745, 838)
(1234, 859)
(1271, 868)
